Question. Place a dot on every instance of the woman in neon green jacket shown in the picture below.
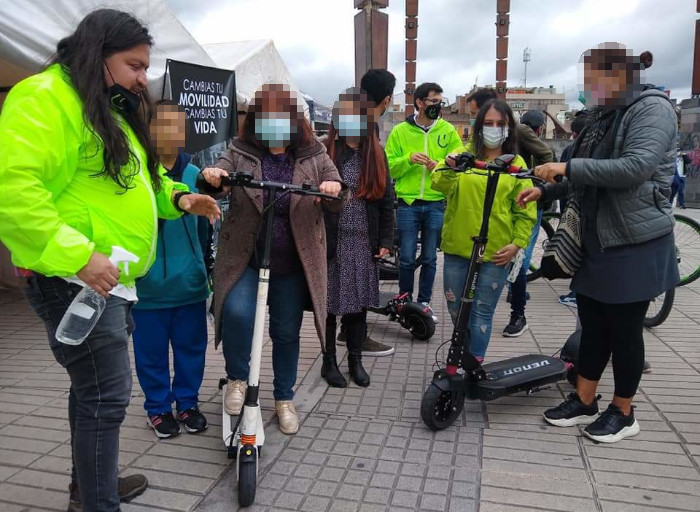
(509, 229)
(79, 175)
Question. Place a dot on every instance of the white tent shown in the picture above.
(256, 63)
(30, 29)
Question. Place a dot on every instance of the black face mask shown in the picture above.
(433, 111)
(123, 100)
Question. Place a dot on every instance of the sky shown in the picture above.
(457, 39)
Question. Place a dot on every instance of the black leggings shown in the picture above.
(617, 330)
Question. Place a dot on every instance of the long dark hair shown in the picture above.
(510, 145)
(373, 177)
(288, 102)
(99, 35)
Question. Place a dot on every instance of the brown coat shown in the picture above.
(240, 229)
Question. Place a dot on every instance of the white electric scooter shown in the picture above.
(244, 435)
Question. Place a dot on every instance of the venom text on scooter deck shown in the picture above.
(463, 377)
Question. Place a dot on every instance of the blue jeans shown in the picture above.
(518, 289)
(678, 187)
(185, 327)
(410, 220)
(492, 278)
(100, 375)
(287, 297)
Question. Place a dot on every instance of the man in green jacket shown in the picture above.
(79, 176)
(413, 149)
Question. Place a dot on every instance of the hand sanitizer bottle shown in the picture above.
(87, 307)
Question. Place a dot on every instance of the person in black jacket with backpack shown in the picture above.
(360, 234)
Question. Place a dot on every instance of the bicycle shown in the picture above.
(687, 238)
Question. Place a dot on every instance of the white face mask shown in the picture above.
(494, 136)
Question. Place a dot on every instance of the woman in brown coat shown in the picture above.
(275, 143)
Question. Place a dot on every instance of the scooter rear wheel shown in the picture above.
(420, 326)
(247, 478)
(437, 408)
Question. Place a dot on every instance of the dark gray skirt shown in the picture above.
(630, 273)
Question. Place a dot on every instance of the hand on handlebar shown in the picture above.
(551, 172)
(331, 188)
(528, 195)
(213, 175)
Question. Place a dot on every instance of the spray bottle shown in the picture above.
(87, 307)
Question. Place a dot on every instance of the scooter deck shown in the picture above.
(522, 373)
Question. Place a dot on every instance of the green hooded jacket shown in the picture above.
(54, 209)
(465, 193)
(412, 181)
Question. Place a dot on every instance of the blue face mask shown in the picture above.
(274, 132)
(472, 122)
(352, 126)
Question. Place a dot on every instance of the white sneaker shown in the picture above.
(287, 416)
(432, 313)
(235, 396)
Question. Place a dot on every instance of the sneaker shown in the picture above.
(516, 326)
(572, 412)
(568, 300)
(612, 426)
(287, 416)
(194, 420)
(342, 338)
(164, 425)
(235, 396)
(128, 488)
(371, 348)
(428, 307)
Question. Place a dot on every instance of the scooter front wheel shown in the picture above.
(247, 476)
(439, 409)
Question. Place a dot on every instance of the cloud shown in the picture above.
(457, 42)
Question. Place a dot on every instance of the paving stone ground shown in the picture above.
(366, 449)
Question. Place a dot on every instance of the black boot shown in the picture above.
(329, 370)
(356, 334)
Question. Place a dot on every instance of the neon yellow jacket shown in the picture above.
(412, 180)
(466, 193)
(54, 211)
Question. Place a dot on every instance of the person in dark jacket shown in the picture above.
(171, 310)
(619, 180)
(358, 235)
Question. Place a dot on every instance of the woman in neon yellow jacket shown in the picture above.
(78, 175)
(509, 229)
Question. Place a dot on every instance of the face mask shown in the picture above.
(352, 126)
(582, 97)
(122, 99)
(472, 122)
(274, 132)
(494, 136)
(433, 111)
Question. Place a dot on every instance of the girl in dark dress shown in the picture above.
(360, 234)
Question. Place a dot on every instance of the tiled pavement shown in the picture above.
(366, 449)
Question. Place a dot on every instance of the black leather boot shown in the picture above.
(329, 370)
(356, 334)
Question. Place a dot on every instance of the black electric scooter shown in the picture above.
(463, 377)
(412, 316)
(244, 435)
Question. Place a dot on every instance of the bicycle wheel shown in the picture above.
(687, 235)
(659, 309)
(546, 232)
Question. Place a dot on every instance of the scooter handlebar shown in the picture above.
(244, 179)
(502, 164)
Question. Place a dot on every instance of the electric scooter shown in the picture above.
(244, 435)
(462, 376)
(412, 316)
